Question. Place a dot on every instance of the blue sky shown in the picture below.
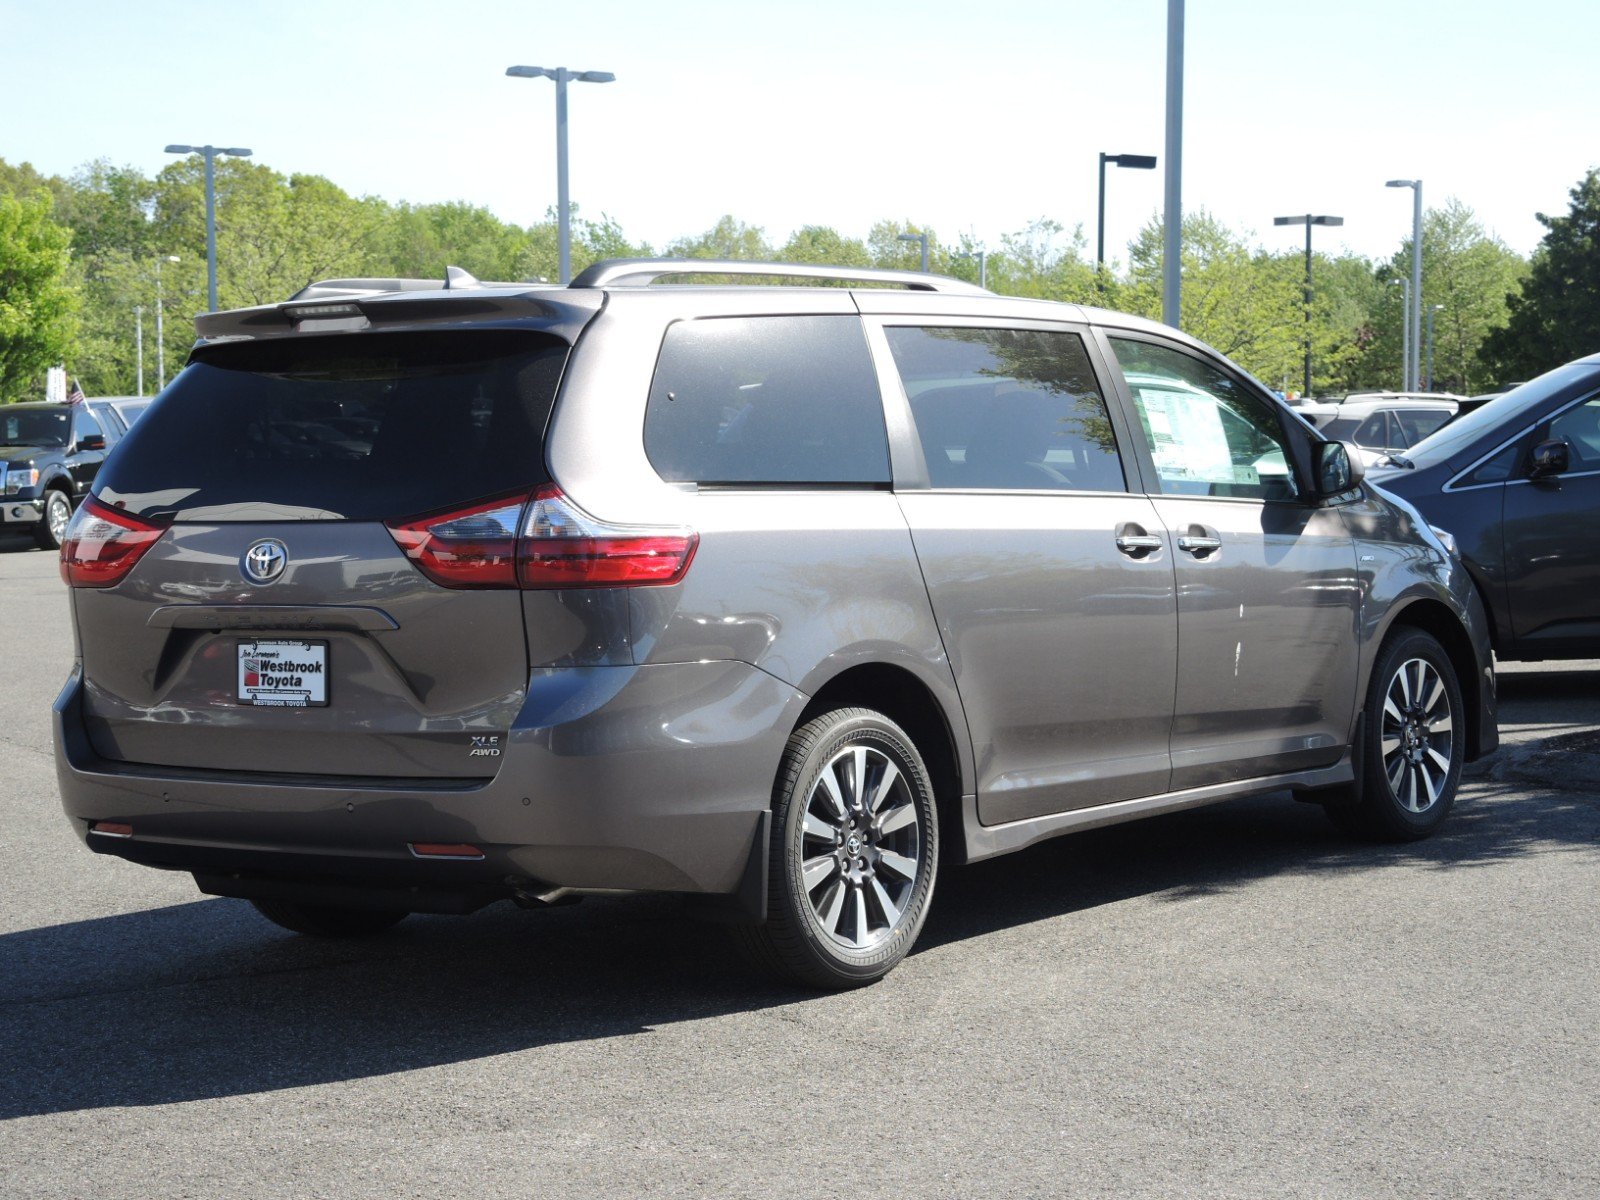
(966, 117)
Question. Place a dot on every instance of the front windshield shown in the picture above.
(34, 426)
(1502, 414)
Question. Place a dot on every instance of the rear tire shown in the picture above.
(321, 920)
(48, 533)
(1414, 736)
(854, 852)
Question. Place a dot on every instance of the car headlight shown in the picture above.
(18, 479)
(1448, 538)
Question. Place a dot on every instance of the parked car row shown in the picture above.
(412, 599)
(1517, 484)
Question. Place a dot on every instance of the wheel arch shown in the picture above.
(1436, 619)
(911, 704)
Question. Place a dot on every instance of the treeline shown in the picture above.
(79, 255)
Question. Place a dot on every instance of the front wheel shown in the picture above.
(854, 852)
(52, 530)
(1414, 744)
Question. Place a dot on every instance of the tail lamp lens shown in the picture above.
(467, 548)
(563, 546)
(102, 544)
(541, 541)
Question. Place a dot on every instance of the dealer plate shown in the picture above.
(283, 674)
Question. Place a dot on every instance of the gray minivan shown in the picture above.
(410, 599)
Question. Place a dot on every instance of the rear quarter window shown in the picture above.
(767, 400)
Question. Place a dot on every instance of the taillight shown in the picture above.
(542, 541)
(466, 548)
(563, 546)
(102, 544)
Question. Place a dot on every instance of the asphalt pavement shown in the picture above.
(1235, 1001)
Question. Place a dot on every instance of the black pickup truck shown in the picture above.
(49, 456)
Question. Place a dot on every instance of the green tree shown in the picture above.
(823, 244)
(1465, 269)
(36, 305)
(890, 253)
(729, 238)
(1246, 303)
(1036, 261)
(1556, 318)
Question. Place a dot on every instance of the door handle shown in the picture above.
(1199, 545)
(1138, 544)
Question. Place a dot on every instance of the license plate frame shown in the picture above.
(304, 685)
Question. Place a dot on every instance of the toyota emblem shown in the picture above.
(264, 561)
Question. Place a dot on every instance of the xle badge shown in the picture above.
(487, 746)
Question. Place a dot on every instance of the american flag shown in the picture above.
(76, 396)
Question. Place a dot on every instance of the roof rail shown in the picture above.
(637, 272)
(455, 279)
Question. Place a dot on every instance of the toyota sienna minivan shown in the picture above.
(408, 598)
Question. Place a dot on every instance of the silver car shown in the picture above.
(411, 599)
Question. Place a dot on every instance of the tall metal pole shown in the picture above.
(1405, 328)
(1432, 308)
(1172, 250)
(1307, 392)
(1100, 224)
(161, 347)
(210, 153)
(921, 238)
(138, 341)
(983, 268)
(1416, 284)
(563, 204)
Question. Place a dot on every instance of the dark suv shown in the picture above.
(49, 455)
(413, 600)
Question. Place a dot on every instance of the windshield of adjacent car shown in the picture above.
(1503, 416)
(34, 426)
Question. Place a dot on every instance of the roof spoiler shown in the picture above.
(455, 279)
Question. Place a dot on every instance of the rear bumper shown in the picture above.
(635, 778)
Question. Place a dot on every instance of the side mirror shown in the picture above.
(95, 441)
(1339, 468)
(1549, 458)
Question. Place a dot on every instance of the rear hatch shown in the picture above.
(296, 460)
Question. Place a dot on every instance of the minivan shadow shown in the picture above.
(204, 999)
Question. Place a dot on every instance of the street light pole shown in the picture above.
(983, 265)
(210, 154)
(1415, 316)
(1172, 207)
(917, 237)
(1142, 162)
(562, 77)
(161, 345)
(1404, 285)
(138, 342)
(1308, 221)
(1432, 308)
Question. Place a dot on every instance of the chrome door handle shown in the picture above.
(1199, 545)
(1138, 543)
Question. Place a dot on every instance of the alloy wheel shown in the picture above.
(1418, 737)
(861, 847)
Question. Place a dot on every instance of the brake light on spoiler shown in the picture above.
(541, 541)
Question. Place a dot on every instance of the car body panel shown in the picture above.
(640, 729)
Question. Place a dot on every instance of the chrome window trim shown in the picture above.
(1454, 484)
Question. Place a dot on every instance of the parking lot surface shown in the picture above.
(1235, 1001)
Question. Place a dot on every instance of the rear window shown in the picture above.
(774, 400)
(366, 427)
